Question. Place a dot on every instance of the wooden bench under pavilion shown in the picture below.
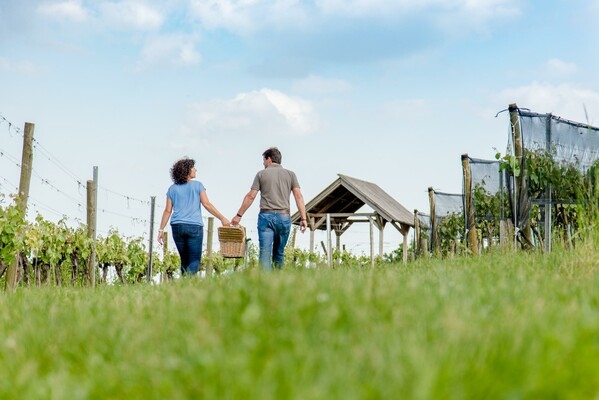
(335, 208)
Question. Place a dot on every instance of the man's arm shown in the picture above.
(299, 201)
(247, 202)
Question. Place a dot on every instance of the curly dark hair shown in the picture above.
(181, 170)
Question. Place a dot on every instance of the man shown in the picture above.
(275, 184)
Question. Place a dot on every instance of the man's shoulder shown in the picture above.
(278, 170)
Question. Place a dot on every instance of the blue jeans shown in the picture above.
(188, 239)
(273, 232)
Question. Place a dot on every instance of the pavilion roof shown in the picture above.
(347, 195)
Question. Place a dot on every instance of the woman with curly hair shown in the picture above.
(183, 201)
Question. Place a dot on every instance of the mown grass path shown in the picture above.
(511, 326)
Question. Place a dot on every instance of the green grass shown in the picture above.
(515, 326)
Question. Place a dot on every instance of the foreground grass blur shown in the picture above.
(496, 326)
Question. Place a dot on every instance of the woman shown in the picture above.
(183, 200)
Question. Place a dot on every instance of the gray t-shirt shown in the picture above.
(275, 184)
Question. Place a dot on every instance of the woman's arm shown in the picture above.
(212, 210)
(168, 210)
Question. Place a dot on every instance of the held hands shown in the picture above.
(303, 223)
(236, 220)
(225, 222)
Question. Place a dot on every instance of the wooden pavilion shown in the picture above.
(335, 209)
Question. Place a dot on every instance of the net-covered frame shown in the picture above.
(445, 205)
(448, 203)
(488, 175)
(569, 142)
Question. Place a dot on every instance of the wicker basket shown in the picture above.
(232, 241)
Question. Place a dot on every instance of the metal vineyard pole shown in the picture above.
(151, 247)
(91, 231)
(95, 176)
(548, 207)
(163, 274)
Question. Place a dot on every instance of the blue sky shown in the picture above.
(392, 92)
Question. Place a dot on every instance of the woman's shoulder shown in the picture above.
(197, 185)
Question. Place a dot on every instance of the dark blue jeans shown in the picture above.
(273, 232)
(188, 239)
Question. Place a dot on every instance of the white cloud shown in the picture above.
(473, 15)
(127, 14)
(68, 9)
(20, 67)
(132, 14)
(490, 8)
(320, 85)
(229, 14)
(364, 7)
(565, 100)
(265, 112)
(357, 8)
(559, 68)
(295, 111)
(170, 50)
(248, 16)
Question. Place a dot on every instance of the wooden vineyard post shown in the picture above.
(91, 232)
(22, 198)
(469, 210)
(371, 223)
(329, 244)
(404, 233)
(434, 234)
(381, 225)
(416, 234)
(291, 243)
(521, 180)
(324, 247)
(209, 267)
(26, 166)
(311, 226)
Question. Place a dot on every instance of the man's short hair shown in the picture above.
(274, 154)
